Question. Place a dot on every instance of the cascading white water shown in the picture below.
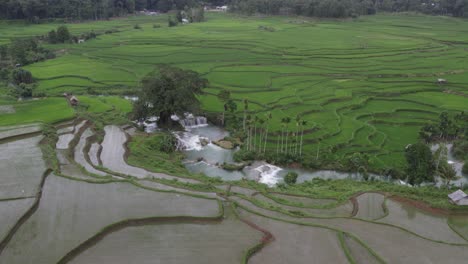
(188, 141)
(269, 174)
(191, 121)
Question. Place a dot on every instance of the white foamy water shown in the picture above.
(269, 174)
(191, 121)
(188, 141)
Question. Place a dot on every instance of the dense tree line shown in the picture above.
(349, 8)
(33, 10)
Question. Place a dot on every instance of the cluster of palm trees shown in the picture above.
(257, 128)
(291, 142)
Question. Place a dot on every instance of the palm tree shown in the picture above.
(255, 133)
(287, 121)
(318, 149)
(249, 131)
(261, 121)
(246, 107)
(303, 124)
(283, 122)
(298, 123)
(266, 132)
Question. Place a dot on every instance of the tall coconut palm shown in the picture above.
(298, 124)
(255, 121)
(303, 124)
(249, 131)
(246, 108)
(318, 149)
(261, 122)
(287, 121)
(283, 127)
(266, 132)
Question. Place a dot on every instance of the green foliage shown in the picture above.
(167, 143)
(196, 14)
(420, 163)
(244, 155)
(63, 35)
(169, 91)
(137, 26)
(291, 178)
(460, 149)
(20, 75)
(52, 37)
(171, 22)
(465, 168)
(27, 50)
(233, 167)
(448, 127)
(345, 8)
(33, 11)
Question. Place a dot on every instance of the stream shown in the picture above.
(202, 156)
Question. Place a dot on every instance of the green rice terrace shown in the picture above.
(82, 182)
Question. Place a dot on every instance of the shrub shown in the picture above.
(19, 76)
(167, 144)
(63, 35)
(244, 155)
(136, 26)
(171, 22)
(465, 168)
(291, 178)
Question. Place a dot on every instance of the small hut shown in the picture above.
(441, 81)
(459, 198)
(74, 101)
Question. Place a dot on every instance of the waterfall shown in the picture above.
(191, 121)
(269, 174)
(188, 141)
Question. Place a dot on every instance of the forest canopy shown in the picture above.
(35, 10)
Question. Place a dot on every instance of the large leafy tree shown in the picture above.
(169, 91)
(420, 163)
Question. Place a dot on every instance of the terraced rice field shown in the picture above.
(88, 213)
(364, 85)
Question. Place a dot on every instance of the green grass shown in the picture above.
(144, 153)
(48, 110)
(365, 84)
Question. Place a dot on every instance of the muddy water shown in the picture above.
(196, 243)
(370, 206)
(11, 212)
(71, 212)
(420, 222)
(21, 168)
(79, 154)
(113, 152)
(295, 243)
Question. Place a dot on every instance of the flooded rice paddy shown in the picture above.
(82, 215)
